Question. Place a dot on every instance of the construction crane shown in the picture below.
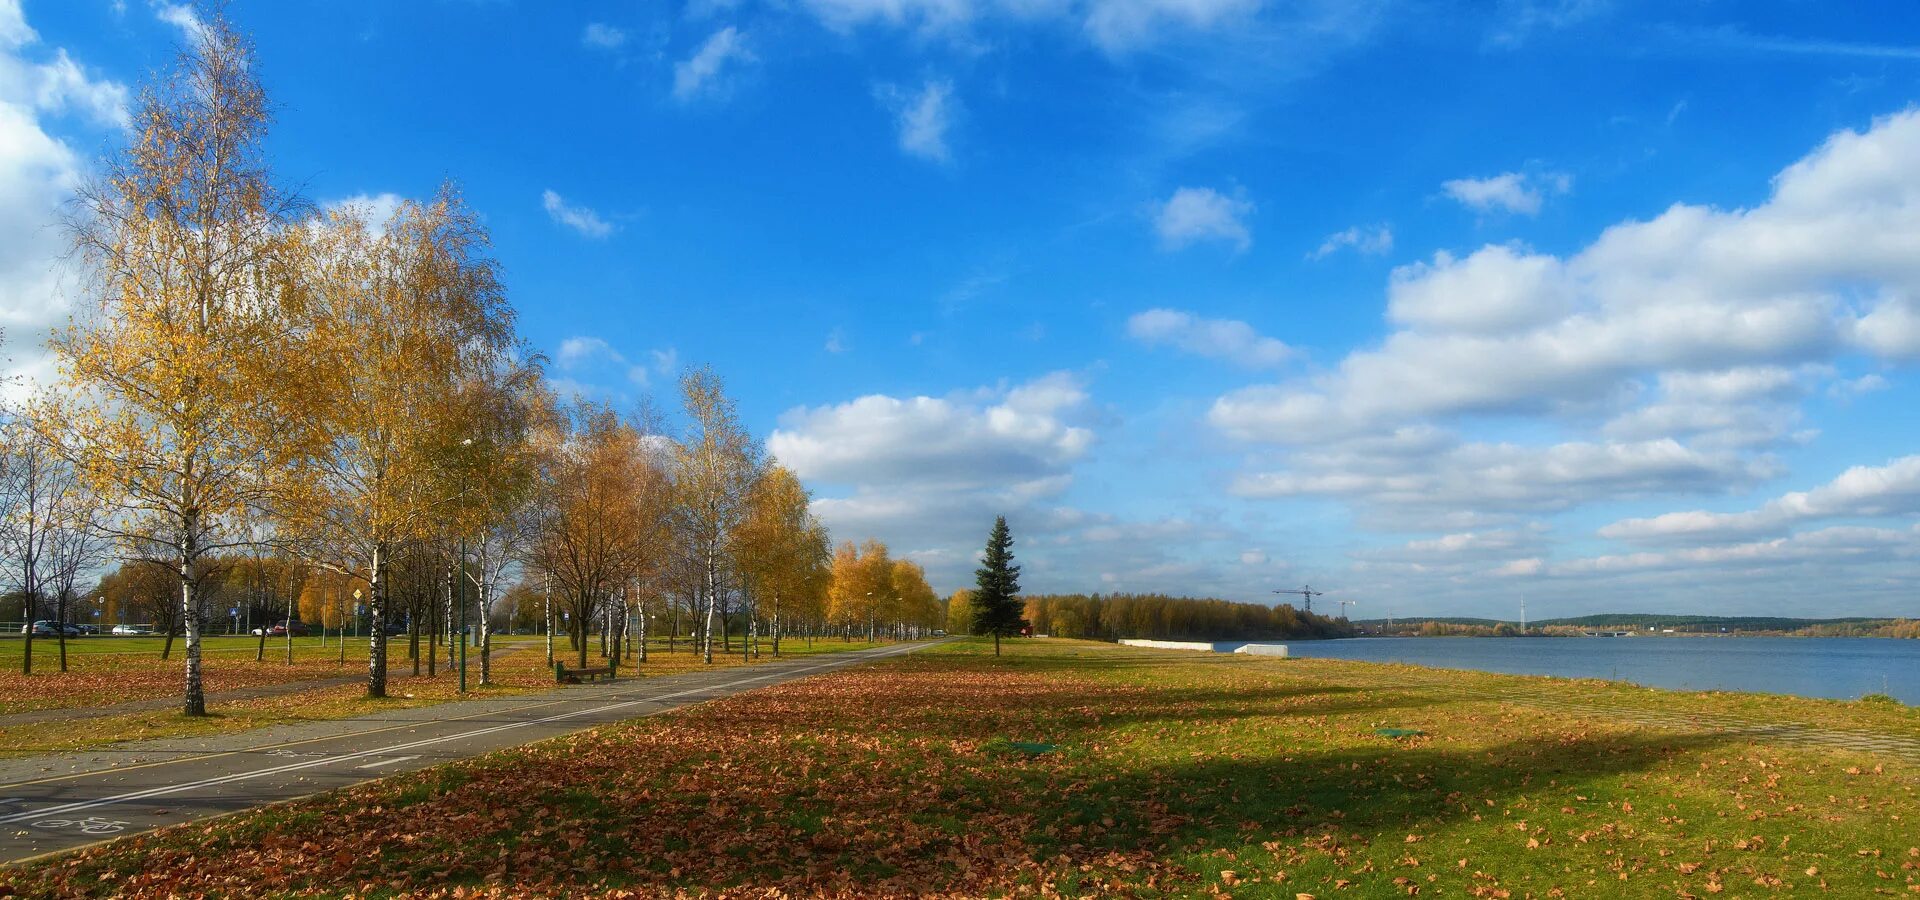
(1344, 604)
(1306, 591)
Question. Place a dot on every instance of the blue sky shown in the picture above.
(1603, 305)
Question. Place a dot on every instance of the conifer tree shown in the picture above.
(996, 598)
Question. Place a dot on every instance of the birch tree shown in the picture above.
(602, 516)
(405, 313)
(505, 411)
(714, 466)
(181, 379)
(48, 528)
(783, 552)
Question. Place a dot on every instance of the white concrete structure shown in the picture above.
(1168, 645)
(1263, 650)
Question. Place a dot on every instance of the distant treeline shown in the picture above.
(1450, 626)
(1158, 616)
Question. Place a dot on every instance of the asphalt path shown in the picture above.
(112, 793)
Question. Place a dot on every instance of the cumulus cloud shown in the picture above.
(928, 474)
(1196, 214)
(1513, 192)
(378, 208)
(705, 72)
(922, 117)
(589, 356)
(183, 17)
(1433, 487)
(579, 218)
(1225, 339)
(949, 442)
(1117, 27)
(1880, 491)
(580, 349)
(1695, 289)
(1373, 240)
(39, 171)
(603, 36)
(1849, 545)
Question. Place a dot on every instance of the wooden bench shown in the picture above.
(564, 675)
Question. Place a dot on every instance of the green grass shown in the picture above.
(13, 646)
(1172, 775)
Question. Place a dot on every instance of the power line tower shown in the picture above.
(1306, 591)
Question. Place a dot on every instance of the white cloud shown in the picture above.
(949, 442)
(1497, 289)
(665, 361)
(1848, 546)
(1227, 339)
(602, 36)
(183, 17)
(579, 218)
(14, 31)
(1376, 240)
(1494, 479)
(929, 473)
(836, 341)
(577, 350)
(1531, 565)
(705, 72)
(1882, 491)
(1119, 26)
(1203, 214)
(39, 171)
(1695, 289)
(1518, 20)
(378, 208)
(1513, 192)
(922, 118)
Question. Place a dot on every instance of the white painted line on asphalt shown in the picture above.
(294, 767)
(387, 762)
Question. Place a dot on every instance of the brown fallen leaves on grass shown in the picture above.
(1175, 778)
(98, 681)
(787, 791)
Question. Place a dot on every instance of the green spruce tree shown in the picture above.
(996, 600)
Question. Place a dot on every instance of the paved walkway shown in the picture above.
(55, 803)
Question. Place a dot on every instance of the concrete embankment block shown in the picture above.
(1263, 650)
(1168, 645)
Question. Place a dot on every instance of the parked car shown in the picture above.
(47, 628)
(88, 629)
(133, 629)
(299, 629)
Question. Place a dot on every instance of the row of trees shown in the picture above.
(1161, 617)
(340, 395)
(873, 593)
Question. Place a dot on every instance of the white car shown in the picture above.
(133, 629)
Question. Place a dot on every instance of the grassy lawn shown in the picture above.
(1171, 775)
(105, 678)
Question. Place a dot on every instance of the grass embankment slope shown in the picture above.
(1175, 774)
(107, 673)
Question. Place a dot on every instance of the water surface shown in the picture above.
(1838, 668)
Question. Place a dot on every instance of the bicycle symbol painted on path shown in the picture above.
(88, 825)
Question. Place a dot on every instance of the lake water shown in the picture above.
(1839, 668)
